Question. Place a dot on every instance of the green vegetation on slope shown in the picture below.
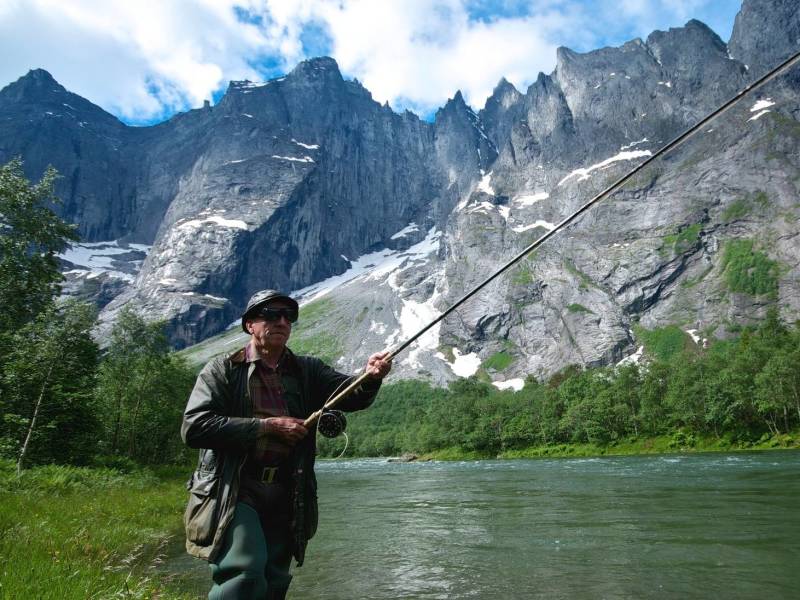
(499, 361)
(579, 308)
(664, 342)
(682, 240)
(313, 334)
(749, 271)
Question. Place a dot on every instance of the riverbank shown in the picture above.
(69, 532)
(677, 443)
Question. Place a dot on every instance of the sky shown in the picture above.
(144, 61)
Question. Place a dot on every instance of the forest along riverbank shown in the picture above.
(734, 394)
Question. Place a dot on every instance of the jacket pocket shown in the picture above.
(201, 516)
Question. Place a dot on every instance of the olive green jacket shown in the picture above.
(219, 421)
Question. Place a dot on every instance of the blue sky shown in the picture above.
(144, 61)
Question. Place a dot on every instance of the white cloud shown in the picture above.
(420, 53)
(136, 59)
(141, 60)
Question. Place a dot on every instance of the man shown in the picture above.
(253, 501)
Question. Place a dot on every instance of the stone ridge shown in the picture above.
(288, 182)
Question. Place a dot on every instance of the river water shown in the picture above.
(695, 526)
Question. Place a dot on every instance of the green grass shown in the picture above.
(663, 342)
(579, 308)
(522, 276)
(312, 336)
(749, 271)
(683, 240)
(448, 353)
(676, 443)
(736, 210)
(316, 311)
(228, 341)
(321, 345)
(499, 361)
(761, 199)
(68, 532)
(743, 206)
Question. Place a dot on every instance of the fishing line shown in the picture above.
(774, 72)
(332, 423)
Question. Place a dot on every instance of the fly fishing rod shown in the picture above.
(355, 384)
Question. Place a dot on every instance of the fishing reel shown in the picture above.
(332, 423)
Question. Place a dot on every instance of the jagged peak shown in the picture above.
(697, 24)
(564, 54)
(454, 106)
(38, 79)
(693, 26)
(39, 75)
(504, 94)
(765, 32)
(504, 86)
(307, 69)
(543, 81)
(315, 66)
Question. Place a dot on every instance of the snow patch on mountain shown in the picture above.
(762, 104)
(583, 174)
(99, 257)
(464, 365)
(303, 159)
(410, 228)
(510, 384)
(534, 225)
(306, 146)
(372, 266)
(485, 184)
(530, 199)
(215, 219)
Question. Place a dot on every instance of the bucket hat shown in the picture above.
(260, 299)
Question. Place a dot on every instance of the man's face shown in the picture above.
(271, 335)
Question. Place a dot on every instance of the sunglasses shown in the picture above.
(273, 314)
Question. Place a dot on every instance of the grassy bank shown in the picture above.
(679, 443)
(68, 532)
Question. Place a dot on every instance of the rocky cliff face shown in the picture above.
(380, 220)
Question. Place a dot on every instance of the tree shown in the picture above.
(31, 237)
(777, 390)
(142, 389)
(47, 380)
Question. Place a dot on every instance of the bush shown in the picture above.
(749, 271)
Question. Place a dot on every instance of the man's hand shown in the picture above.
(377, 367)
(287, 429)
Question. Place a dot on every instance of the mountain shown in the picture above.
(379, 220)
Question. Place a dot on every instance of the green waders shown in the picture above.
(254, 561)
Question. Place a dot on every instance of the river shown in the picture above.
(693, 526)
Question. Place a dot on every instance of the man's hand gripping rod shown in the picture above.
(332, 401)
